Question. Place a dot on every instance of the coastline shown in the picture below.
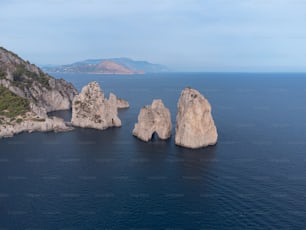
(48, 124)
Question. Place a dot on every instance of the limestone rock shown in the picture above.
(121, 104)
(195, 126)
(153, 118)
(28, 81)
(39, 93)
(59, 96)
(32, 124)
(90, 109)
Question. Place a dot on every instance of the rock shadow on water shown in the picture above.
(64, 114)
(202, 157)
(154, 145)
(196, 167)
(99, 136)
(205, 152)
(97, 142)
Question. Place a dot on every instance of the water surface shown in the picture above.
(254, 177)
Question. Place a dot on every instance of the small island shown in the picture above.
(155, 118)
(113, 66)
(195, 126)
(91, 109)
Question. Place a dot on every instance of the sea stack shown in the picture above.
(195, 127)
(90, 109)
(153, 118)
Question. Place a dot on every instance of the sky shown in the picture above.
(185, 35)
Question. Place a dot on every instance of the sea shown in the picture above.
(253, 178)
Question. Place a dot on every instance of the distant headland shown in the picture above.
(119, 66)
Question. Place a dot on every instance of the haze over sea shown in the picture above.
(254, 177)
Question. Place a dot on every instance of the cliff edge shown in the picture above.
(27, 94)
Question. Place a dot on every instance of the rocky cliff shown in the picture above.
(153, 118)
(195, 126)
(28, 81)
(27, 93)
(91, 109)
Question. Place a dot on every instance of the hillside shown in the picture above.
(27, 94)
(108, 66)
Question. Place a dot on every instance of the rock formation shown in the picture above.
(91, 109)
(119, 102)
(28, 81)
(32, 124)
(195, 126)
(153, 118)
(27, 94)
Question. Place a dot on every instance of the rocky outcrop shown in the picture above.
(195, 126)
(91, 109)
(32, 124)
(27, 94)
(119, 102)
(152, 119)
(59, 96)
(28, 81)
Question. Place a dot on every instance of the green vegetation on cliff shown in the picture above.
(22, 76)
(12, 105)
(23, 83)
(2, 74)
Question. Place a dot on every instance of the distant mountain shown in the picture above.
(113, 68)
(108, 66)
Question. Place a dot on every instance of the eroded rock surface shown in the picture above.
(195, 127)
(28, 81)
(90, 109)
(153, 118)
(27, 94)
(121, 103)
(32, 124)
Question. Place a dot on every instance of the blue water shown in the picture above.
(254, 178)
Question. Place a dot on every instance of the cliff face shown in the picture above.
(28, 81)
(27, 94)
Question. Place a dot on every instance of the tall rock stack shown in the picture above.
(90, 109)
(195, 127)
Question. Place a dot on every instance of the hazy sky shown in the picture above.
(185, 35)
